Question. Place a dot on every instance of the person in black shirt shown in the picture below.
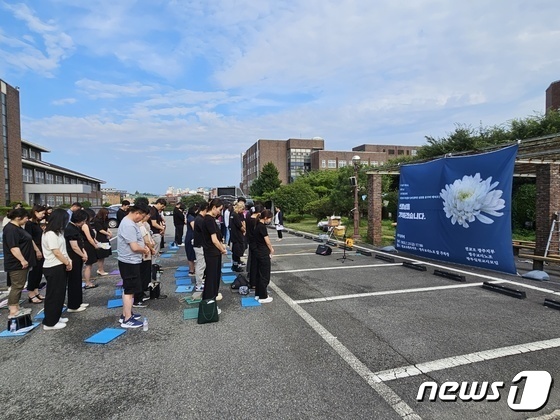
(78, 255)
(200, 264)
(32, 226)
(250, 223)
(123, 211)
(179, 223)
(263, 253)
(237, 235)
(157, 224)
(213, 250)
(19, 256)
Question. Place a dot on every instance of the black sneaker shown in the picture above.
(139, 305)
(162, 296)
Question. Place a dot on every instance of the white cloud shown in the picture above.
(64, 101)
(29, 53)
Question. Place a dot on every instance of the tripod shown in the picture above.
(344, 257)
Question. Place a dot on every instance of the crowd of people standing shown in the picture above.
(63, 246)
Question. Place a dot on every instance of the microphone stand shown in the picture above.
(344, 257)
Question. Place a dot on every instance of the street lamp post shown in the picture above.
(356, 162)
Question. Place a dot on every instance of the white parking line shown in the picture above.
(389, 292)
(465, 359)
(341, 267)
(390, 396)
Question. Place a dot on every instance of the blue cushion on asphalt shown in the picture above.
(183, 268)
(114, 303)
(184, 289)
(7, 333)
(183, 282)
(104, 336)
(228, 279)
(190, 313)
(249, 301)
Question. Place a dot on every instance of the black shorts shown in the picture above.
(130, 274)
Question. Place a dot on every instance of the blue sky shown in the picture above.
(151, 94)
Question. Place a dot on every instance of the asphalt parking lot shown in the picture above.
(353, 339)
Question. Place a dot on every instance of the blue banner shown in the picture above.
(458, 209)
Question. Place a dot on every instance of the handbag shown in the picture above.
(208, 311)
(279, 227)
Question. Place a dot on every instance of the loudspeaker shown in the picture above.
(323, 250)
(353, 181)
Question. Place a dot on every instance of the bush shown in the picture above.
(293, 218)
(524, 205)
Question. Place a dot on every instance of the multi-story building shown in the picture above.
(370, 155)
(293, 157)
(46, 183)
(26, 176)
(553, 96)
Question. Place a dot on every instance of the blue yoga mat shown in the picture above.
(184, 289)
(226, 265)
(228, 279)
(114, 303)
(181, 274)
(227, 271)
(104, 336)
(118, 292)
(7, 333)
(249, 301)
(183, 268)
(166, 255)
(183, 282)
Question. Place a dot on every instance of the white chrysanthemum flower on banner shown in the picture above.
(466, 199)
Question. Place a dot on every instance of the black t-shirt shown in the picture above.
(35, 231)
(235, 226)
(260, 232)
(178, 217)
(121, 214)
(250, 223)
(99, 225)
(210, 227)
(73, 233)
(155, 216)
(198, 221)
(17, 237)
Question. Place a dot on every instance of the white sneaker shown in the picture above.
(80, 309)
(219, 297)
(267, 300)
(65, 320)
(84, 305)
(257, 298)
(57, 326)
(219, 311)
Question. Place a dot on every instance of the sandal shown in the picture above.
(36, 302)
(91, 286)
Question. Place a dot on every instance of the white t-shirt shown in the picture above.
(50, 241)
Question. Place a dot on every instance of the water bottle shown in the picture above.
(13, 326)
(145, 324)
(158, 275)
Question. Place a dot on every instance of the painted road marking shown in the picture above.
(342, 267)
(390, 396)
(465, 359)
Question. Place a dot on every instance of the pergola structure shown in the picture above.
(537, 157)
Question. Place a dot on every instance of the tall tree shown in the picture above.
(267, 182)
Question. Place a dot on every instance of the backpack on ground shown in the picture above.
(239, 281)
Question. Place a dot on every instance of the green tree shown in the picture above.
(523, 206)
(191, 200)
(293, 197)
(267, 182)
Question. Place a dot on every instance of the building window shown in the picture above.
(391, 151)
(27, 175)
(323, 163)
(413, 152)
(400, 152)
(374, 163)
(39, 177)
(59, 200)
(58, 179)
(49, 178)
(332, 164)
(25, 153)
(341, 163)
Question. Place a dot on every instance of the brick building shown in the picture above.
(553, 96)
(27, 177)
(293, 157)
